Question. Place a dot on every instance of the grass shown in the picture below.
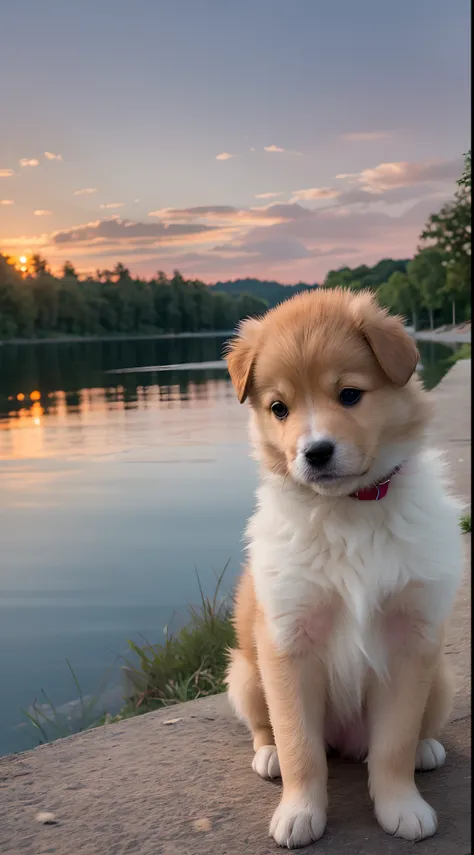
(462, 352)
(51, 723)
(465, 523)
(188, 665)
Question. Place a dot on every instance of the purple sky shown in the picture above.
(269, 138)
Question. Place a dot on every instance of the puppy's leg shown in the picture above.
(295, 688)
(396, 710)
(246, 696)
(430, 753)
(245, 688)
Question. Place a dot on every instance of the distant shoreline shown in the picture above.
(443, 337)
(80, 339)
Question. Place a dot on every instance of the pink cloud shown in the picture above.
(225, 155)
(387, 176)
(29, 162)
(85, 191)
(314, 194)
(273, 148)
(6, 173)
(267, 195)
(265, 215)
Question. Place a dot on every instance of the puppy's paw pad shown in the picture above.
(429, 755)
(297, 822)
(266, 762)
(409, 817)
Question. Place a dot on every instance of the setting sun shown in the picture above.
(23, 259)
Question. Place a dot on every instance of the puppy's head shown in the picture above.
(329, 378)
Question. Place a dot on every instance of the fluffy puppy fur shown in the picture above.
(341, 610)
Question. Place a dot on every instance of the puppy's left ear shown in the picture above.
(393, 348)
(240, 356)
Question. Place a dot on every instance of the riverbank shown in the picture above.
(180, 781)
(85, 339)
(444, 336)
(457, 335)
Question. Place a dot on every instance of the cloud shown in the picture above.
(50, 156)
(32, 162)
(225, 155)
(6, 202)
(267, 195)
(113, 205)
(387, 176)
(315, 193)
(40, 212)
(377, 212)
(228, 214)
(85, 191)
(115, 230)
(366, 136)
(6, 173)
(273, 148)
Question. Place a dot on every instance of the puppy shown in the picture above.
(354, 561)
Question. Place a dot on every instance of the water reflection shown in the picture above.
(68, 378)
(35, 374)
(84, 385)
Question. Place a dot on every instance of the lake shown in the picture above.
(117, 483)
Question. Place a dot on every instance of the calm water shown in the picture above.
(114, 487)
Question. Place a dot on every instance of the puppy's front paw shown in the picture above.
(298, 821)
(266, 762)
(429, 755)
(407, 816)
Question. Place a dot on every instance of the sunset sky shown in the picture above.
(229, 138)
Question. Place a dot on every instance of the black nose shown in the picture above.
(319, 453)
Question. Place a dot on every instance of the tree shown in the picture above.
(401, 294)
(341, 278)
(121, 272)
(450, 232)
(465, 179)
(69, 270)
(38, 264)
(427, 274)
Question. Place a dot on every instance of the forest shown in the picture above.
(432, 288)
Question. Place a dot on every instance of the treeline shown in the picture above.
(268, 290)
(40, 304)
(433, 288)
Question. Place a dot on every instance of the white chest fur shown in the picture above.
(328, 571)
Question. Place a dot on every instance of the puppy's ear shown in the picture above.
(391, 345)
(240, 356)
(393, 348)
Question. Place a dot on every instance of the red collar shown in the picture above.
(376, 491)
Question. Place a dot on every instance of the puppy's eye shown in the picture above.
(279, 410)
(349, 397)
